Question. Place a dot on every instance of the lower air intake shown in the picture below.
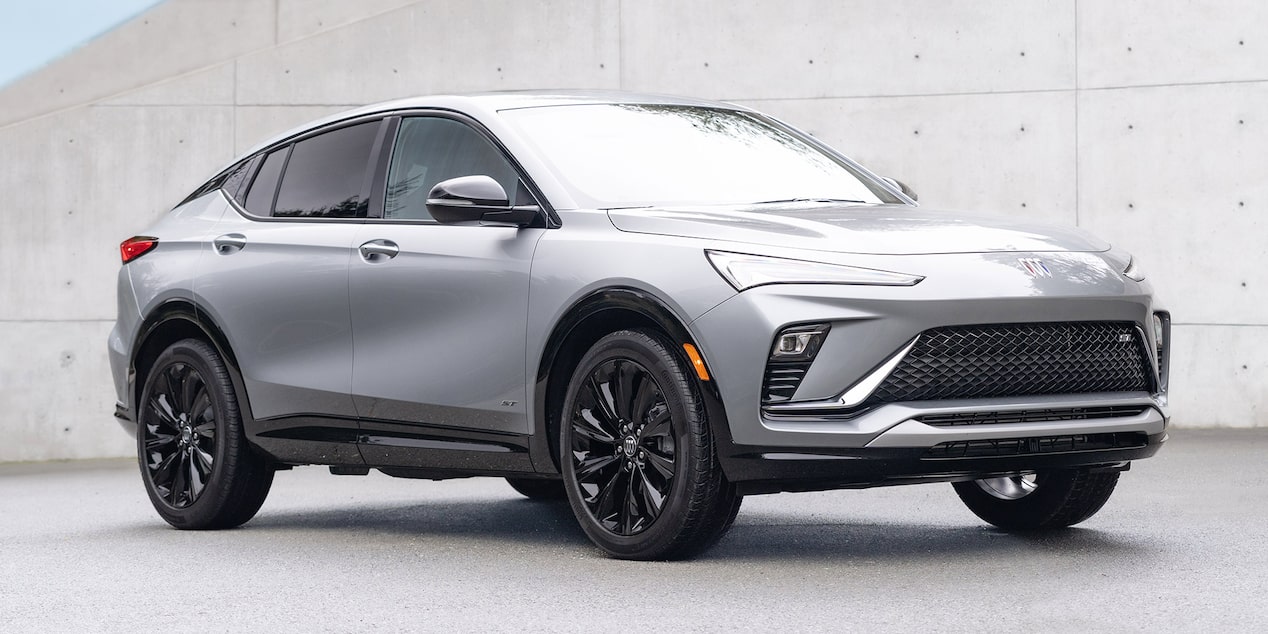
(1036, 446)
(960, 362)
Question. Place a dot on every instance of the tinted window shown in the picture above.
(432, 149)
(232, 185)
(260, 198)
(325, 174)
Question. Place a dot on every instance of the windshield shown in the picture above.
(635, 155)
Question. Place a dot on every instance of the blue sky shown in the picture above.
(35, 32)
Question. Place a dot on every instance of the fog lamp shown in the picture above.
(799, 342)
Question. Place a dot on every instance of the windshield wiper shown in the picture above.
(809, 200)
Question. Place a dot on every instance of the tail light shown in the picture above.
(135, 247)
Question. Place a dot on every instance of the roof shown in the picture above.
(495, 101)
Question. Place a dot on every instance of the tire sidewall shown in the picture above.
(633, 346)
(224, 406)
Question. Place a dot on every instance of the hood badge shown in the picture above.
(1035, 267)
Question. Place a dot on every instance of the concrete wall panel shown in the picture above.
(256, 124)
(212, 86)
(58, 402)
(454, 45)
(1145, 42)
(821, 48)
(937, 94)
(1177, 175)
(175, 37)
(1219, 376)
(93, 177)
(301, 18)
(1010, 153)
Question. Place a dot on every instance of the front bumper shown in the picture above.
(891, 443)
(763, 470)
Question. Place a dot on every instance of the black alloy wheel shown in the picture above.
(623, 446)
(197, 466)
(180, 436)
(638, 458)
(1045, 500)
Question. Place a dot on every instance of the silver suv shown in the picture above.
(649, 306)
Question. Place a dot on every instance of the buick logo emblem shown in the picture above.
(1035, 267)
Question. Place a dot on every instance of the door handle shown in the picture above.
(378, 250)
(229, 243)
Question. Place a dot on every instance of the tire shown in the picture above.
(638, 457)
(538, 489)
(1046, 500)
(196, 464)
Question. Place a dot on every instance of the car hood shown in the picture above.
(864, 229)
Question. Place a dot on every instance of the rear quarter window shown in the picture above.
(259, 199)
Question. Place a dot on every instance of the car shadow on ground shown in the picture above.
(885, 542)
(763, 537)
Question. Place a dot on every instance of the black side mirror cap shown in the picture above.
(477, 199)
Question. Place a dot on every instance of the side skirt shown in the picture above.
(432, 451)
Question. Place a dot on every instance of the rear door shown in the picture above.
(277, 284)
(439, 311)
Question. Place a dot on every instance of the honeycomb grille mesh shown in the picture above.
(1017, 360)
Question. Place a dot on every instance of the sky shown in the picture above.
(36, 32)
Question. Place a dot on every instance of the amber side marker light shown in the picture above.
(135, 247)
(696, 361)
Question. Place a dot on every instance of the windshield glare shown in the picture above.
(636, 155)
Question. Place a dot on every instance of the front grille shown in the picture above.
(1033, 446)
(1028, 416)
(1018, 360)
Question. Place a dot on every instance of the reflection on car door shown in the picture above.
(438, 311)
(279, 288)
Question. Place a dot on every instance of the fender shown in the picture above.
(187, 311)
(637, 308)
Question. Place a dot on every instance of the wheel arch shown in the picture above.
(590, 318)
(172, 321)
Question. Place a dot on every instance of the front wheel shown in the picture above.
(638, 457)
(1038, 501)
(195, 462)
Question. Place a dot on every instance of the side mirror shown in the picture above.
(902, 187)
(477, 200)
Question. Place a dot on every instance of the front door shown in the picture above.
(439, 312)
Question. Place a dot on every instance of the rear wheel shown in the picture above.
(1037, 501)
(195, 462)
(538, 489)
(638, 457)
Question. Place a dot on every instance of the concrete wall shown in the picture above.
(1142, 121)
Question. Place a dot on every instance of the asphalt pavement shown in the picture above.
(1182, 546)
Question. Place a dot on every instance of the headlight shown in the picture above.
(1133, 271)
(746, 271)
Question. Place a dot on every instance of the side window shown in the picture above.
(325, 174)
(235, 178)
(433, 149)
(260, 196)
